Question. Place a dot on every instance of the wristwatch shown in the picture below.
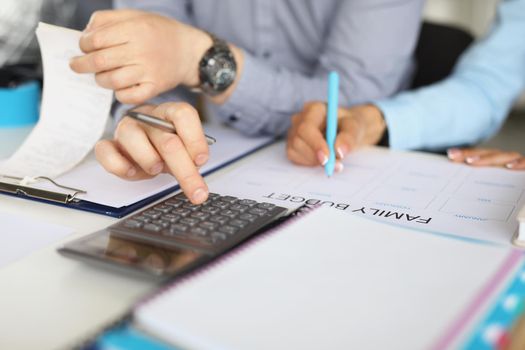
(217, 68)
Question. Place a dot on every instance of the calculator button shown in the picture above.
(209, 225)
(219, 219)
(172, 218)
(228, 229)
(249, 217)
(239, 223)
(178, 229)
(182, 211)
(152, 214)
(228, 199)
(218, 236)
(174, 203)
(182, 197)
(163, 208)
(213, 196)
(152, 227)
(200, 215)
(239, 207)
(190, 206)
(229, 213)
(221, 204)
(132, 223)
(199, 231)
(161, 223)
(211, 209)
(189, 221)
(248, 202)
(258, 211)
(265, 205)
(142, 218)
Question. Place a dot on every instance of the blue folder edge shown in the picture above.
(123, 211)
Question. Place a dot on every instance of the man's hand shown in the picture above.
(140, 54)
(139, 151)
(487, 157)
(357, 126)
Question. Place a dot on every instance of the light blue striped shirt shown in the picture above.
(473, 102)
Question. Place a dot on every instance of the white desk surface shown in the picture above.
(48, 301)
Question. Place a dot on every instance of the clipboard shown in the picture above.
(69, 197)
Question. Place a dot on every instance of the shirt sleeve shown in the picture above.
(473, 102)
(370, 43)
(179, 9)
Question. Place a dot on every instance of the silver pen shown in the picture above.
(160, 123)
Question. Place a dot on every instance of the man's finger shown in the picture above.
(180, 164)
(104, 17)
(107, 36)
(137, 94)
(121, 78)
(114, 162)
(102, 60)
(188, 126)
(133, 137)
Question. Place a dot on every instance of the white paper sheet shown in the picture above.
(73, 114)
(332, 281)
(20, 236)
(421, 191)
(105, 188)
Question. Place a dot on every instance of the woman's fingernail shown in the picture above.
(201, 159)
(339, 167)
(199, 195)
(322, 158)
(131, 172)
(471, 160)
(157, 168)
(510, 165)
(453, 153)
(342, 151)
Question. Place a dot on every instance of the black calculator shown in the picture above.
(175, 236)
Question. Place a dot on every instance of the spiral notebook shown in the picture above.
(519, 237)
(332, 280)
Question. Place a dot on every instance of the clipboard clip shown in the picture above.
(21, 187)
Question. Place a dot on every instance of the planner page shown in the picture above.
(417, 190)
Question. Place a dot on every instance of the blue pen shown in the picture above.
(331, 121)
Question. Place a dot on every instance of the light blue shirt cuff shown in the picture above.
(403, 124)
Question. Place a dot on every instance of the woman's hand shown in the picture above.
(139, 151)
(487, 157)
(357, 126)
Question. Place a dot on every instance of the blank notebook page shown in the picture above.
(328, 280)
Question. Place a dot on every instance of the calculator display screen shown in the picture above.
(110, 248)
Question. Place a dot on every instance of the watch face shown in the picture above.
(217, 71)
(224, 76)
